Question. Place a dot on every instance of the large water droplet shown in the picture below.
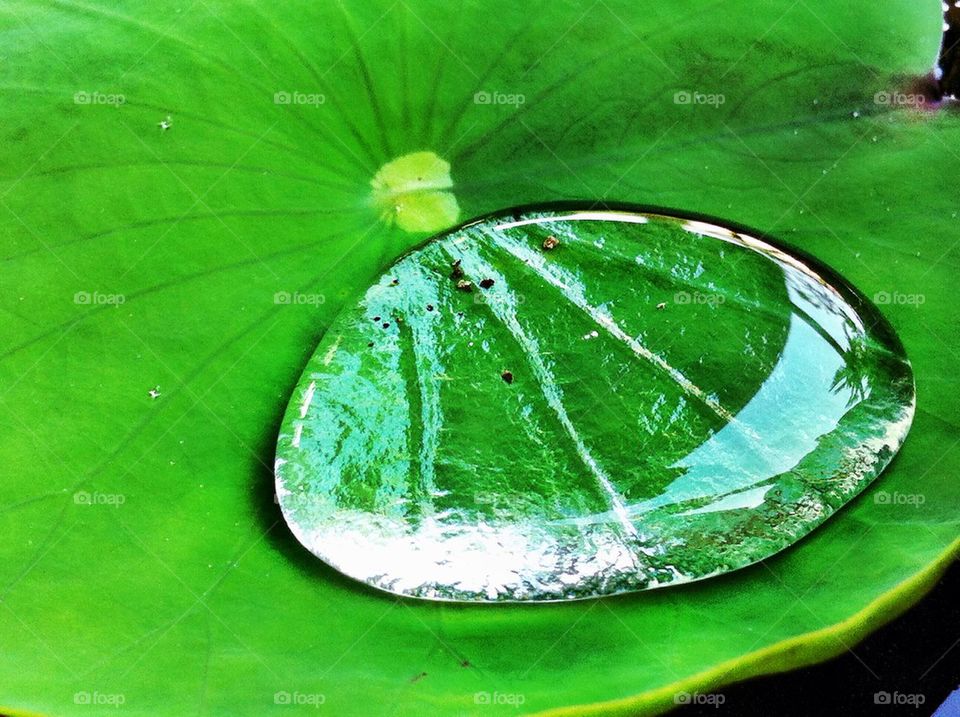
(560, 403)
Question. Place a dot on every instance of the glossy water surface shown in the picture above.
(554, 404)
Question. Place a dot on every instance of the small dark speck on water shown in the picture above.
(507, 377)
(429, 307)
(486, 283)
(417, 678)
(395, 282)
(465, 663)
(370, 345)
(386, 324)
(457, 270)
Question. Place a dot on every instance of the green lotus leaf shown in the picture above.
(190, 195)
